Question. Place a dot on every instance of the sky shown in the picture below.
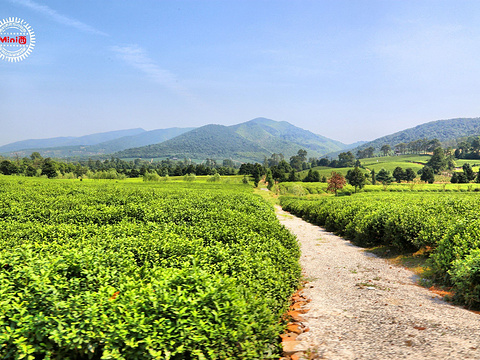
(349, 70)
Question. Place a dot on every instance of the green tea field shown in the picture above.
(125, 270)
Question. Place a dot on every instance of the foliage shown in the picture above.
(49, 168)
(384, 177)
(467, 170)
(356, 178)
(141, 271)
(385, 149)
(438, 161)
(215, 178)
(427, 175)
(399, 174)
(410, 174)
(336, 182)
(189, 177)
(8, 168)
(312, 176)
(269, 179)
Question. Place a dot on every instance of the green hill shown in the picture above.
(249, 141)
(443, 130)
(209, 141)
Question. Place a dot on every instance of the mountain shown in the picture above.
(69, 140)
(249, 141)
(209, 141)
(281, 136)
(143, 139)
(138, 137)
(443, 130)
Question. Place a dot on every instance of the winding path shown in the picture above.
(362, 307)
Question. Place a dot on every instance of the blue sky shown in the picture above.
(349, 70)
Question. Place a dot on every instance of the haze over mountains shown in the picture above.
(248, 141)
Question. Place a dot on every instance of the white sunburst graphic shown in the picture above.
(17, 39)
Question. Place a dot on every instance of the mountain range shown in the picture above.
(248, 141)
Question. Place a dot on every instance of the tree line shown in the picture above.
(113, 168)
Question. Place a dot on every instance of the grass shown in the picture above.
(416, 262)
(415, 162)
(268, 196)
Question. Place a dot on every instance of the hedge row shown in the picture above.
(447, 224)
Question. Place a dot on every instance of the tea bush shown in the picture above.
(148, 270)
(446, 223)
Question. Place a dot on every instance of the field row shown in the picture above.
(301, 188)
(141, 271)
(445, 224)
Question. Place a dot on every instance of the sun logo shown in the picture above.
(17, 39)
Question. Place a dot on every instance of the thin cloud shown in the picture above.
(137, 57)
(62, 19)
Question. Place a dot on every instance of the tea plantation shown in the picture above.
(105, 270)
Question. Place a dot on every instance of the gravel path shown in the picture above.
(362, 307)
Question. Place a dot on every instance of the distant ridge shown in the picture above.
(248, 141)
(117, 141)
(443, 130)
(69, 140)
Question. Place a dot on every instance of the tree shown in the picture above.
(275, 159)
(323, 162)
(401, 148)
(30, 171)
(365, 153)
(427, 174)
(477, 179)
(298, 161)
(467, 170)
(336, 182)
(438, 161)
(312, 176)
(385, 149)
(8, 168)
(374, 179)
(356, 178)
(454, 178)
(384, 177)
(399, 174)
(302, 154)
(269, 179)
(433, 144)
(293, 176)
(346, 159)
(410, 174)
(459, 178)
(451, 163)
(49, 168)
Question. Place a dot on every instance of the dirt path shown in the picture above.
(364, 308)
